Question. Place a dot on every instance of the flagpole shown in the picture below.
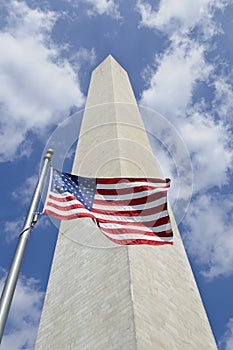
(30, 221)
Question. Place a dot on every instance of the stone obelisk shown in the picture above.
(106, 297)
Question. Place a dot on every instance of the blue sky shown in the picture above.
(179, 58)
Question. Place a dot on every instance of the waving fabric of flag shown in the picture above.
(127, 210)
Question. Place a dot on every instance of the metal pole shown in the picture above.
(10, 284)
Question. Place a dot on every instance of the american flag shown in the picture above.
(127, 210)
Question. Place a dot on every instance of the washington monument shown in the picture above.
(102, 296)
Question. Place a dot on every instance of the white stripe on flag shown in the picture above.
(132, 236)
(161, 228)
(133, 195)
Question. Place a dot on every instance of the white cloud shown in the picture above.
(209, 143)
(81, 56)
(24, 315)
(180, 16)
(224, 98)
(24, 193)
(23, 20)
(196, 153)
(37, 87)
(209, 233)
(176, 74)
(226, 342)
(12, 229)
(100, 7)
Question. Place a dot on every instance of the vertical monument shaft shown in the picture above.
(101, 296)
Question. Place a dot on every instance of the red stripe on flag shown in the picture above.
(126, 190)
(62, 199)
(66, 217)
(116, 180)
(66, 208)
(118, 231)
(151, 223)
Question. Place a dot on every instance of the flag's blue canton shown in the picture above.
(82, 188)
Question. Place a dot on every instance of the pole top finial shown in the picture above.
(49, 154)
